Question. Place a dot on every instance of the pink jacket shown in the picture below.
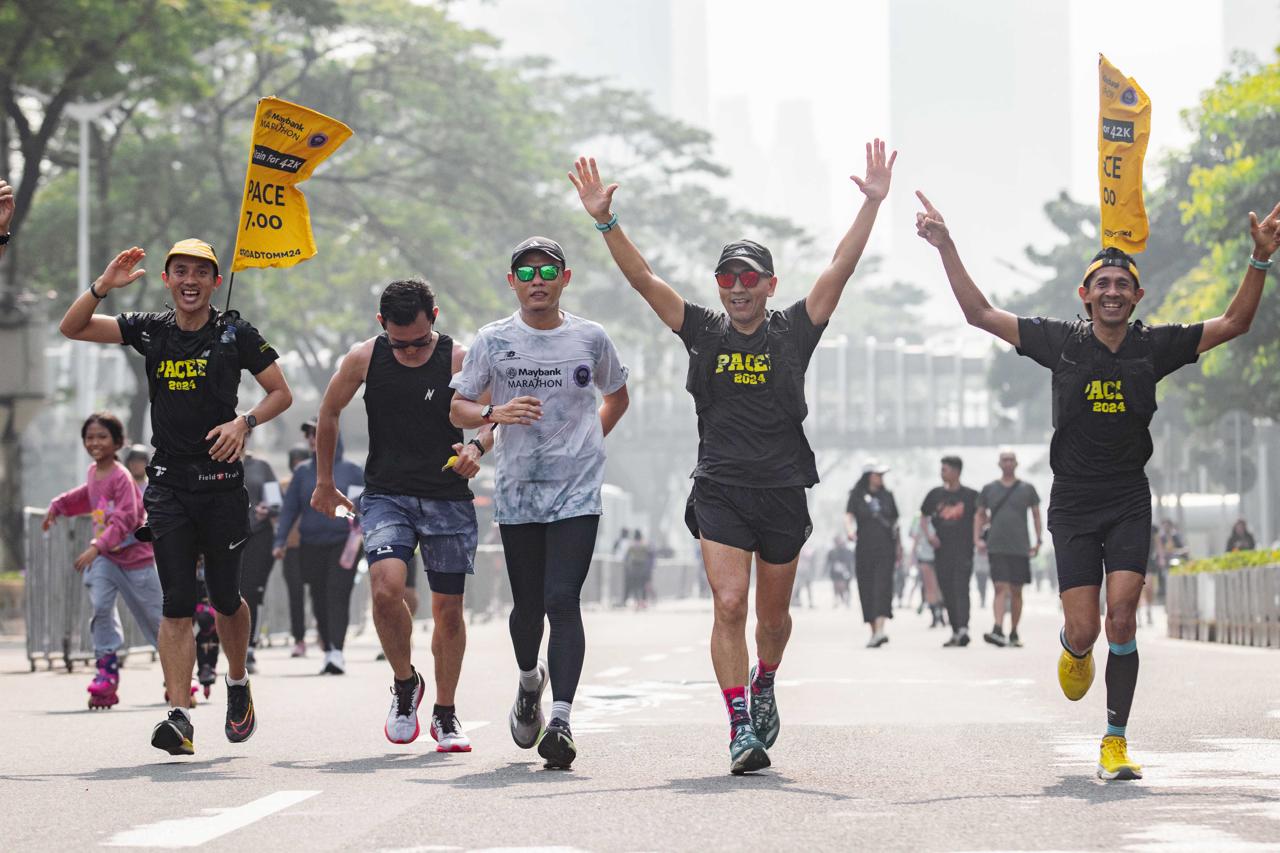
(116, 506)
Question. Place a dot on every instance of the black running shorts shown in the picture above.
(1098, 528)
(187, 525)
(771, 522)
(1010, 568)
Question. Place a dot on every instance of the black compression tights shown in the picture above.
(547, 565)
(176, 554)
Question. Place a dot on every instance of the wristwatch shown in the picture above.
(487, 412)
(250, 420)
(4, 239)
(478, 445)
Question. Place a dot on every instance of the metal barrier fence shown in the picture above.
(273, 615)
(1241, 607)
(56, 603)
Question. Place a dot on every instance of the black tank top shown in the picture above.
(410, 436)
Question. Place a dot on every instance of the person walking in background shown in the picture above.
(115, 565)
(839, 567)
(872, 510)
(923, 554)
(321, 541)
(1240, 539)
(291, 564)
(258, 559)
(1000, 530)
(948, 522)
(135, 461)
(637, 568)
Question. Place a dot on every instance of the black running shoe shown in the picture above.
(526, 720)
(175, 734)
(746, 751)
(241, 721)
(557, 746)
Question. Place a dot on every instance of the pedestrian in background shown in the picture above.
(839, 567)
(949, 510)
(1000, 529)
(873, 512)
(1240, 539)
(927, 580)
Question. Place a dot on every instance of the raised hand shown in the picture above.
(875, 186)
(6, 206)
(120, 272)
(1266, 234)
(930, 224)
(595, 196)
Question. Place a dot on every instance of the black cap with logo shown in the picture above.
(749, 252)
(538, 244)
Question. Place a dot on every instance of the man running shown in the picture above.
(947, 515)
(545, 369)
(1105, 371)
(416, 495)
(746, 376)
(196, 500)
(1000, 531)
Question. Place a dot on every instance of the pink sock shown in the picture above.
(764, 676)
(735, 702)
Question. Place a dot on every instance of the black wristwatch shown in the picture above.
(4, 238)
(487, 412)
(250, 420)
(478, 445)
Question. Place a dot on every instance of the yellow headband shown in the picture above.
(1109, 262)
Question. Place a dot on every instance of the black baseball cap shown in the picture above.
(749, 252)
(538, 244)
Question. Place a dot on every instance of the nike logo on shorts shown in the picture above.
(235, 545)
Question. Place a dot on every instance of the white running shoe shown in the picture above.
(448, 734)
(334, 663)
(402, 720)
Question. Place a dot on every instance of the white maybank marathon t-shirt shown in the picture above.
(552, 469)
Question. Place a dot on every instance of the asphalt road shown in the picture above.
(910, 746)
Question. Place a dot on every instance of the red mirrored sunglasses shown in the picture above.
(749, 278)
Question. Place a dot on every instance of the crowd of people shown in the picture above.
(542, 388)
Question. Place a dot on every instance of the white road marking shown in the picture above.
(613, 672)
(654, 658)
(682, 650)
(197, 829)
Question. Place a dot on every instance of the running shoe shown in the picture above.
(402, 720)
(996, 638)
(1075, 674)
(764, 711)
(334, 663)
(175, 734)
(1114, 763)
(1014, 640)
(448, 734)
(526, 718)
(299, 650)
(241, 721)
(557, 747)
(746, 752)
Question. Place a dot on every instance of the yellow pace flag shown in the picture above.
(289, 141)
(1124, 126)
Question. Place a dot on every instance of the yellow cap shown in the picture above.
(193, 248)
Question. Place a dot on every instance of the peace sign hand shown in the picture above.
(875, 186)
(595, 196)
(930, 224)
(1266, 234)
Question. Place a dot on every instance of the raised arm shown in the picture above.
(597, 199)
(825, 295)
(80, 323)
(1238, 317)
(977, 310)
(326, 498)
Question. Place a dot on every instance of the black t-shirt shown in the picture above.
(744, 437)
(1107, 441)
(876, 514)
(184, 410)
(951, 516)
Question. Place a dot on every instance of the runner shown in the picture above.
(1000, 529)
(746, 376)
(416, 495)
(549, 470)
(1105, 371)
(115, 564)
(196, 501)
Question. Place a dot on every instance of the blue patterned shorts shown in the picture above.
(393, 525)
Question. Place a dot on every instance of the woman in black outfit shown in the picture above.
(873, 510)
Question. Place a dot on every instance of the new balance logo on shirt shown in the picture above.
(431, 392)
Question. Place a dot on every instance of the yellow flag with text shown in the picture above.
(289, 141)
(1124, 126)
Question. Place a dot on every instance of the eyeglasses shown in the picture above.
(416, 342)
(546, 272)
(749, 278)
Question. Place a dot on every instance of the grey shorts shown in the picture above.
(446, 531)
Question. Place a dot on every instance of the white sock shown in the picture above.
(530, 680)
(185, 712)
(560, 711)
(237, 682)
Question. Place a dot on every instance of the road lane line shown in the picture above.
(195, 830)
(613, 672)
(654, 658)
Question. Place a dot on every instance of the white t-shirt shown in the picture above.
(552, 469)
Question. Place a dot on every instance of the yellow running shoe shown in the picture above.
(1114, 761)
(1075, 674)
